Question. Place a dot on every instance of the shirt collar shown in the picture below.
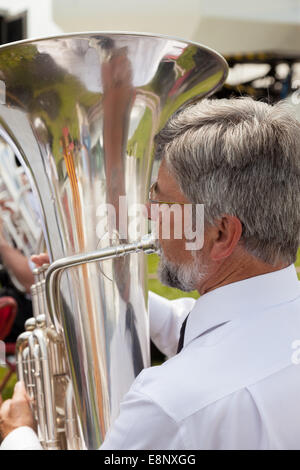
(227, 302)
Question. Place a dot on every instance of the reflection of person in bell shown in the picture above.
(118, 95)
(229, 381)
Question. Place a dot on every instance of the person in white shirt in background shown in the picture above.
(16, 278)
(233, 383)
(15, 262)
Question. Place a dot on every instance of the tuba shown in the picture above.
(81, 112)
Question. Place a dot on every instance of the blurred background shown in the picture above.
(259, 39)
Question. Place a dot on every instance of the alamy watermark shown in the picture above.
(168, 221)
(295, 358)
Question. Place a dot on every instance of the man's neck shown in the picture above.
(235, 268)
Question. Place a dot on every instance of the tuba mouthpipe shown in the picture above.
(147, 244)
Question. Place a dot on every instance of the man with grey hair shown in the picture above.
(232, 381)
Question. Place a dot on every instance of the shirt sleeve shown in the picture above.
(22, 438)
(142, 425)
(166, 318)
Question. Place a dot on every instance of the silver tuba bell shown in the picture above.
(81, 112)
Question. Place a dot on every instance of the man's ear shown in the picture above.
(225, 237)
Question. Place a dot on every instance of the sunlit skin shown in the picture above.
(222, 252)
(167, 189)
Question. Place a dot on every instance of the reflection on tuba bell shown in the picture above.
(81, 112)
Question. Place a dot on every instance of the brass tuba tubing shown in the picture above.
(38, 386)
(45, 389)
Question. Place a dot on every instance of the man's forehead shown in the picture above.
(165, 179)
(167, 185)
(164, 169)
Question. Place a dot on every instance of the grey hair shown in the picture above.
(242, 158)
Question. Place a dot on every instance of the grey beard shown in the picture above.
(183, 277)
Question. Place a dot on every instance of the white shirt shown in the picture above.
(234, 385)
